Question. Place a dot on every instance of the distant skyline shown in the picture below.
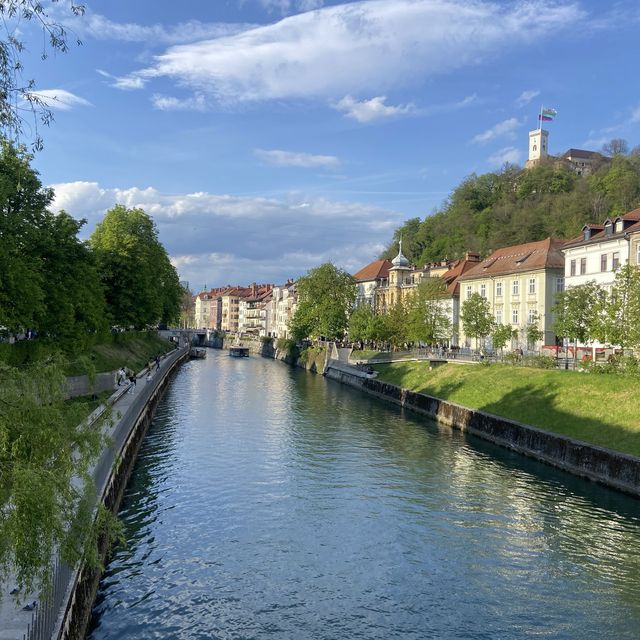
(268, 136)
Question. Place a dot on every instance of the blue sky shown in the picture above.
(268, 136)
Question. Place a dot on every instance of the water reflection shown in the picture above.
(270, 502)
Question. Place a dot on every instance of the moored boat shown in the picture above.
(239, 352)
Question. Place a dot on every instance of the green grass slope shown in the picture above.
(600, 409)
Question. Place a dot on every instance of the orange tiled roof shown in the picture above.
(374, 270)
(544, 254)
(598, 233)
(458, 268)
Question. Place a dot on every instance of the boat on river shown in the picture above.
(238, 351)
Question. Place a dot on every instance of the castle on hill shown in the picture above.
(579, 160)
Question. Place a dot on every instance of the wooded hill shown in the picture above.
(513, 206)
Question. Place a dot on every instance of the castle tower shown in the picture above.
(538, 146)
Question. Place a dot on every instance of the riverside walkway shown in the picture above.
(127, 403)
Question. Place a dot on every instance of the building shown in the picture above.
(208, 309)
(580, 161)
(368, 279)
(521, 283)
(601, 249)
(281, 309)
(252, 311)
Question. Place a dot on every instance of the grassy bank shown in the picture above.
(101, 353)
(600, 409)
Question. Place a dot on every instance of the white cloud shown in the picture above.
(60, 99)
(127, 83)
(171, 103)
(465, 102)
(287, 6)
(281, 158)
(370, 110)
(220, 239)
(526, 97)
(358, 47)
(635, 115)
(512, 155)
(504, 128)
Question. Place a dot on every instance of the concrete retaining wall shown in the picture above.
(81, 385)
(607, 467)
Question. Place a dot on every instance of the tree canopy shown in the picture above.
(513, 206)
(325, 298)
(141, 285)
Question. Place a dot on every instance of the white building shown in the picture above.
(281, 309)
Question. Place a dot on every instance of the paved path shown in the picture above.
(14, 622)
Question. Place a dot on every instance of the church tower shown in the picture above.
(538, 146)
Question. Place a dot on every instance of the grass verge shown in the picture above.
(600, 409)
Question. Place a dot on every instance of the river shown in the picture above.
(268, 502)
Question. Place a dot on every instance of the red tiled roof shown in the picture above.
(374, 270)
(544, 254)
(581, 153)
(452, 276)
(633, 216)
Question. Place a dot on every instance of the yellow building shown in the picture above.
(521, 283)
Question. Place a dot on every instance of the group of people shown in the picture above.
(125, 375)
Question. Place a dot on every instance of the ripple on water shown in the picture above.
(271, 503)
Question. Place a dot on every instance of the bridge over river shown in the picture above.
(269, 502)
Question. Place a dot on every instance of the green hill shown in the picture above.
(493, 210)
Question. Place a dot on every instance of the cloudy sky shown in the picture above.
(268, 136)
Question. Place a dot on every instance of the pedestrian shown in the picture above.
(149, 375)
(121, 375)
(132, 381)
(157, 362)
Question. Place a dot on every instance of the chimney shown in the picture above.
(472, 256)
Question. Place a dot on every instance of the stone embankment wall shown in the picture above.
(83, 386)
(607, 467)
(117, 465)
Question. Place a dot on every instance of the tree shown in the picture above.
(477, 320)
(396, 324)
(361, 324)
(576, 313)
(430, 312)
(141, 285)
(618, 320)
(187, 305)
(45, 486)
(14, 91)
(502, 335)
(325, 298)
(615, 147)
(533, 332)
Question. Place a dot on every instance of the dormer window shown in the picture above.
(586, 233)
(619, 225)
(608, 228)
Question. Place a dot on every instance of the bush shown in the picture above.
(539, 362)
(288, 346)
(266, 340)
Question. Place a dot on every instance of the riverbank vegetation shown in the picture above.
(599, 409)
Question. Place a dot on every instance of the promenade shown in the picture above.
(127, 403)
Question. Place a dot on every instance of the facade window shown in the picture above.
(516, 288)
(514, 316)
(535, 147)
(483, 290)
(499, 284)
(573, 268)
(603, 262)
(559, 285)
(468, 291)
(499, 316)
(583, 266)
(615, 260)
(532, 285)
(638, 253)
(533, 316)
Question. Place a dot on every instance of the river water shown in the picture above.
(269, 502)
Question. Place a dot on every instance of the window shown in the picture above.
(468, 291)
(603, 262)
(573, 268)
(615, 260)
(483, 290)
(499, 316)
(499, 284)
(638, 253)
(619, 225)
(532, 317)
(608, 228)
(535, 147)
(514, 316)
(583, 266)
(516, 288)
(532, 285)
(559, 285)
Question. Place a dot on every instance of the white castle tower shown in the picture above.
(538, 146)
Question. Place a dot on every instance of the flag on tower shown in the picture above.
(547, 114)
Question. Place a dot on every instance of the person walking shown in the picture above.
(132, 382)
(157, 362)
(121, 375)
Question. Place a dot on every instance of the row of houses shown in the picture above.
(259, 309)
(520, 282)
